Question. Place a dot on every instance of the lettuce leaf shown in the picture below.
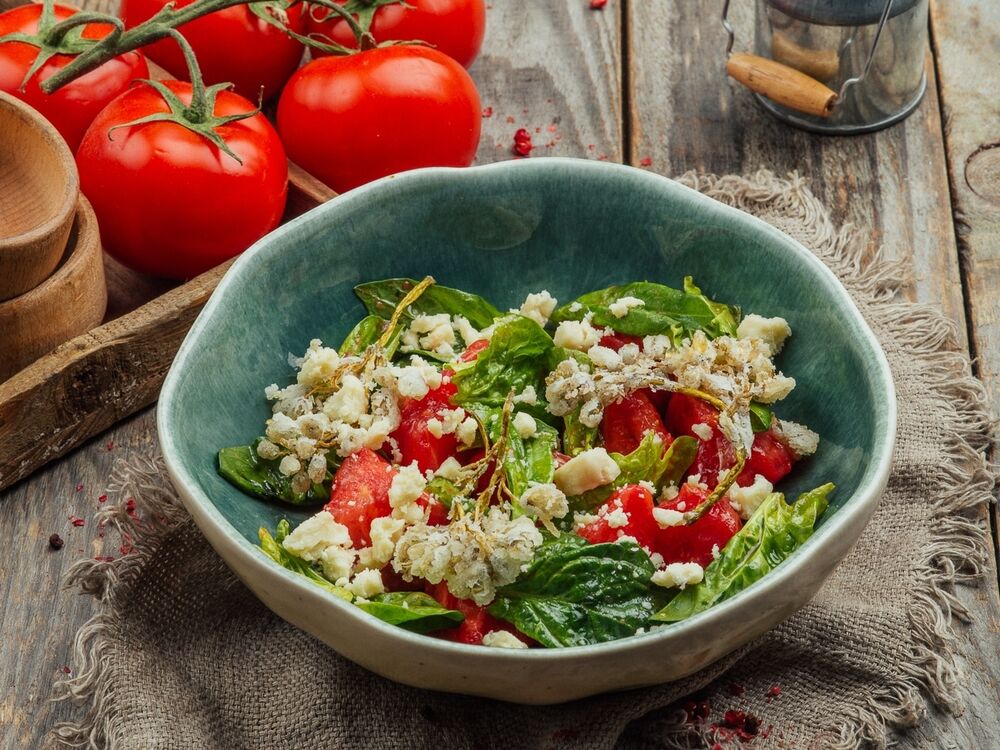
(381, 297)
(272, 547)
(411, 610)
(574, 593)
(672, 312)
(774, 531)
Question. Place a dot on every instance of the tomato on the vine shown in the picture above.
(454, 27)
(72, 107)
(170, 201)
(354, 118)
(233, 44)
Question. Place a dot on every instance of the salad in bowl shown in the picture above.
(551, 476)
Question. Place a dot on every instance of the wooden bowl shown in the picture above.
(39, 186)
(70, 302)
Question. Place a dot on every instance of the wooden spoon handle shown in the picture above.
(782, 84)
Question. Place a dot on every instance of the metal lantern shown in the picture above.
(835, 66)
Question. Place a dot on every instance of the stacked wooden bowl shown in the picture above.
(51, 266)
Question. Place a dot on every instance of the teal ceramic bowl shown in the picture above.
(504, 230)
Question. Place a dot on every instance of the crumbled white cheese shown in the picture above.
(575, 307)
(321, 539)
(524, 425)
(679, 575)
(527, 396)
(318, 365)
(449, 469)
(745, 500)
(467, 331)
(467, 432)
(667, 517)
(433, 333)
(349, 402)
(616, 518)
(316, 470)
(268, 450)
(702, 430)
(772, 331)
(544, 501)
(503, 639)
(800, 439)
(670, 492)
(384, 532)
(289, 465)
(407, 486)
(622, 305)
(576, 334)
(629, 353)
(590, 469)
(367, 583)
(603, 356)
(435, 427)
(538, 307)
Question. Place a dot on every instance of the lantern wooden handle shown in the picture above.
(782, 84)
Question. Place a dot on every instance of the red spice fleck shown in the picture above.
(591, 146)
(56, 541)
(488, 112)
(646, 161)
(510, 120)
(65, 670)
(102, 498)
(104, 558)
(697, 710)
(734, 689)
(597, 4)
(79, 487)
(552, 128)
(522, 143)
(77, 521)
(110, 445)
(130, 506)
(739, 725)
(774, 692)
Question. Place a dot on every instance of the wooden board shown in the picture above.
(891, 185)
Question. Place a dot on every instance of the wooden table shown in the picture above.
(639, 82)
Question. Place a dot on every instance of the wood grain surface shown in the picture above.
(649, 91)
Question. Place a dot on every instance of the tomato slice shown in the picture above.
(360, 493)
(636, 503)
(627, 422)
(695, 542)
(472, 350)
(415, 442)
(616, 341)
(769, 457)
(478, 622)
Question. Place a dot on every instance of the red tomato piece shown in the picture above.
(616, 341)
(769, 457)
(169, 201)
(415, 441)
(478, 622)
(636, 503)
(351, 119)
(233, 45)
(695, 542)
(73, 107)
(472, 350)
(455, 27)
(360, 493)
(627, 422)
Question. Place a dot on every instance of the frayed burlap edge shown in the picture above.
(958, 555)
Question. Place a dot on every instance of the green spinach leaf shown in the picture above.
(574, 593)
(244, 469)
(760, 417)
(774, 531)
(272, 547)
(577, 437)
(647, 463)
(516, 357)
(673, 312)
(381, 298)
(411, 610)
(530, 459)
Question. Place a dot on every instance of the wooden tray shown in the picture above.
(93, 381)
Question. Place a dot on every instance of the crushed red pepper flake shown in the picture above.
(79, 487)
(110, 445)
(102, 498)
(65, 670)
(104, 558)
(130, 506)
(552, 128)
(598, 4)
(488, 112)
(510, 120)
(646, 161)
(522, 143)
(56, 541)
(77, 521)
(774, 692)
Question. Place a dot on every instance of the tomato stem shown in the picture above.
(195, 111)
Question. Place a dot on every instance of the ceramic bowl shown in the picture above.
(38, 191)
(503, 230)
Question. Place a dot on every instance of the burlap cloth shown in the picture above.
(181, 655)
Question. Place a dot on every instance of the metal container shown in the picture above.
(868, 57)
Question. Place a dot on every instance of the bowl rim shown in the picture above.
(71, 181)
(858, 506)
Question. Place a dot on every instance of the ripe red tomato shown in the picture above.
(233, 45)
(695, 542)
(626, 423)
(352, 119)
(415, 441)
(477, 623)
(636, 503)
(169, 202)
(454, 27)
(72, 108)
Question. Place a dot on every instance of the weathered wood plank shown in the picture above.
(966, 37)
(891, 185)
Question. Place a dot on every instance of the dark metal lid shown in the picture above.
(840, 12)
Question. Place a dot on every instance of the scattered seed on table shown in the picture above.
(56, 541)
